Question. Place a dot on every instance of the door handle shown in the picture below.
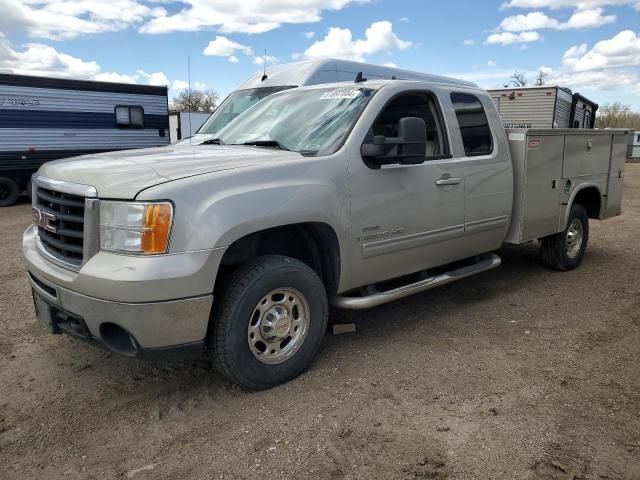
(448, 181)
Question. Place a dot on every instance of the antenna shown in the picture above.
(264, 66)
(189, 96)
(360, 78)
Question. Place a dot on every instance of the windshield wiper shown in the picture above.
(266, 143)
(212, 141)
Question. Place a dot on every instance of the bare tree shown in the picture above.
(541, 79)
(617, 115)
(518, 79)
(196, 101)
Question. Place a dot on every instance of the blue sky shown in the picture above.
(592, 46)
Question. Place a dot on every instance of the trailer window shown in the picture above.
(415, 104)
(129, 116)
(474, 126)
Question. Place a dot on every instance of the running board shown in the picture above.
(487, 262)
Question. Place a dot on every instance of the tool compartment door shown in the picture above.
(616, 175)
(543, 170)
(586, 155)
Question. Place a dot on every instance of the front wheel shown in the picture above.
(268, 322)
(565, 250)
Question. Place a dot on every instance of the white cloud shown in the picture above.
(39, 59)
(179, 85)
(537, 20)
(261, 60)
(309, 35)
(379, 37)
(404, 19)
(623, 50)
(62, 19)
(44, 60)
(530, 21)
(577, 4)
(223, 47)
(468, 42)
(256, 16)
(390, 64)
(588, 19)
(508, 38)
(491, 63)
(114, 77)
(155, 78)
(233, 59)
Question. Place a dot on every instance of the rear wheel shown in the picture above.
(269, 321)
(9, 192)
(565, 250)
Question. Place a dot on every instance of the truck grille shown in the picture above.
(67, 242)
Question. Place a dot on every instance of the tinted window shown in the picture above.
(474, 127)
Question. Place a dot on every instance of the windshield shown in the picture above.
(234, 105)
(309, 121)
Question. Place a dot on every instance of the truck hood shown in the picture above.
(125, 173)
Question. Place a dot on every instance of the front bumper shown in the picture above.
(161, 302)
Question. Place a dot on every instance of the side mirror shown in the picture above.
(412, 138)
(374, 148)
(411, 144)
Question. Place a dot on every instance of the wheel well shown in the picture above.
(314, 244)
(590, 199)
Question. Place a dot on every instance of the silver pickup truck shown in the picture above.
(347, 194)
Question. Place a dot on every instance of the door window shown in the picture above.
(418, 104)
(474, 126)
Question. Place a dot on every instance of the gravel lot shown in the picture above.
(520, 372)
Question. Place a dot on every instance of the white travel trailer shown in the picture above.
(546, 106)
(43, 119)
(299, 74)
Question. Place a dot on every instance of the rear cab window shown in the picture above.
(474, 126)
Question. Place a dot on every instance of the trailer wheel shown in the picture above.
(9, 192)
(565, 250)
(269, 321)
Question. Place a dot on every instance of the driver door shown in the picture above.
(407, 218)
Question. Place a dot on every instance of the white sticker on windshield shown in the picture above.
(349, 93)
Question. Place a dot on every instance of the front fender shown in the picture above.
(214, 210)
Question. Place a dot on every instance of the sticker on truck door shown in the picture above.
(535, 143)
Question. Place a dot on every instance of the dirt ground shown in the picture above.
(520, 372)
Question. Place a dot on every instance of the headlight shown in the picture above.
(134, 227)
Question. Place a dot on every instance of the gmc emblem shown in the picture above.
(44, 220)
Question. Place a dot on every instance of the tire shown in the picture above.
(242, 322)
(565, 250)
(9, 192)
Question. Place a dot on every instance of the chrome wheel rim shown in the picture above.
(575, 236)
(278, 326)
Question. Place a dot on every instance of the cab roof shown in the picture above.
(330, 70)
